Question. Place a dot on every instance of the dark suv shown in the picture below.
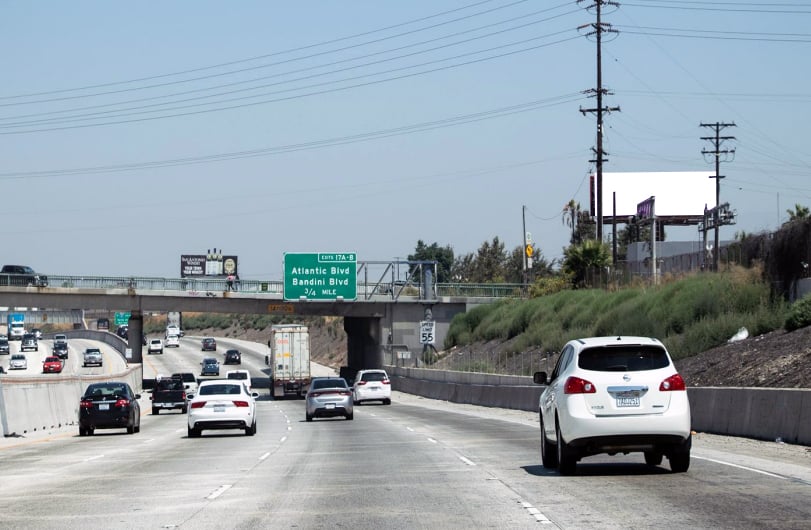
(209, 344)
(233, 357)
(21, 275)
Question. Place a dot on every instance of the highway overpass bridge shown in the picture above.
(384, 314)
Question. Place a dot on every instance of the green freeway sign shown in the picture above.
(320, 276)
(122, 319)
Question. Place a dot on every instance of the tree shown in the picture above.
(579, 222)
(799, 213)
(589, 257)
(442, 255)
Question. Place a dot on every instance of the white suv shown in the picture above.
(614, 395)
(155, 346)
(371, 385)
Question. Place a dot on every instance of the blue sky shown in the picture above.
(132, 133)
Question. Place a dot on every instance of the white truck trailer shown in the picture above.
(289, 360)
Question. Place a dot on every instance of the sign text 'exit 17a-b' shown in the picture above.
(320, 276)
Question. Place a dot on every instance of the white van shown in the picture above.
(242, 375)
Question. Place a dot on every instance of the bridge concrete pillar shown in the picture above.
(363, 343)
(135, 335)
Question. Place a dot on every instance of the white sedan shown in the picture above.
(614, 395)
(222, 404)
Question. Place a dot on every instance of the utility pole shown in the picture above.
(716, 141)
(524, 238)
(597, 29)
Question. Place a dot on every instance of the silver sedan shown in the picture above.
(328, 397)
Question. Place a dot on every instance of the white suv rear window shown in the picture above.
(623, 359)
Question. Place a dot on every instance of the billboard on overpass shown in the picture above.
(212, 263)
(679, 194)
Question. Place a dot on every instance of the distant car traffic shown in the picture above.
(29, 342)
(172, 341)
(173, 329)
(328, 396)
(110, 405)
(60, 349)
(92, 356)
(209, 344)
(52, 365)
(211, 366)
(189, 382)
(5, 349)
(614, 395)
(155, 346)
(37, 333)
(222, 405)
(240, 375)
(18, 361)
(233, 357)
(60, 338)
(371, 385)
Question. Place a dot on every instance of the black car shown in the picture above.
(60, 350)
(123, 332)
(233, 357)
(110, 405)
(4, 347)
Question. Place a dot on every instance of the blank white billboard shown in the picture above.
(678, 193)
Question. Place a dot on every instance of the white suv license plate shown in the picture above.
(625, 402)
(219, 408)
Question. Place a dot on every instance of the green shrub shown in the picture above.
(799, 314)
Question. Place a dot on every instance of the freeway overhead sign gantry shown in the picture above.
(320, 276)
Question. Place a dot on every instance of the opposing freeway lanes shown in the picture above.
(415, 464)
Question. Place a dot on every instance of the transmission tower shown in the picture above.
(597, 29)
(717, 141)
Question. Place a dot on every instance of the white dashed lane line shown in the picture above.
(219, 491)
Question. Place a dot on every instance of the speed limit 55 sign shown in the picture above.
(427, 332)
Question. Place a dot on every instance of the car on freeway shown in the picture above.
(60, 338)
(209, 344)
(37, 333)
(172, 341)
(173, 329)
(240, 375)
(327, 397)
(92, 356)
(614, 395)
(123, 332)
(211, 366)
(371, 385)
(29, 342)
(189, 381)
(18, 361)
(155, 346)
(52, 365)
(109, 405)
(222, 405)
(5, 349)
(233, 357)
(60, 349)
(103, 324)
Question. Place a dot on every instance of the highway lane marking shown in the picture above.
(432, 441)
(264, 456)
(219, 491)
(741, 467)
(283, 439)
(467, 461)
(409, 429)
(93, 458)
(536, 513)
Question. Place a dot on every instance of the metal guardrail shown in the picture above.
(511, 290)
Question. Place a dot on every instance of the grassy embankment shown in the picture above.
(689, 315)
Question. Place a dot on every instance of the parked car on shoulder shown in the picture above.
(18, 361)
(52, 365)
(92, 356)
(209, 344)
(614, 395)
(211, 366)
(327, 397)
(222, 405)
(371, 385)
(109, 405)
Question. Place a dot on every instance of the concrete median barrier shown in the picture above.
(762, 413)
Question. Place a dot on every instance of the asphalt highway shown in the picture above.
(417, 463)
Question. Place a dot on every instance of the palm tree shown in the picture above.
(569, 217)
(579, 260)
(799, 213)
